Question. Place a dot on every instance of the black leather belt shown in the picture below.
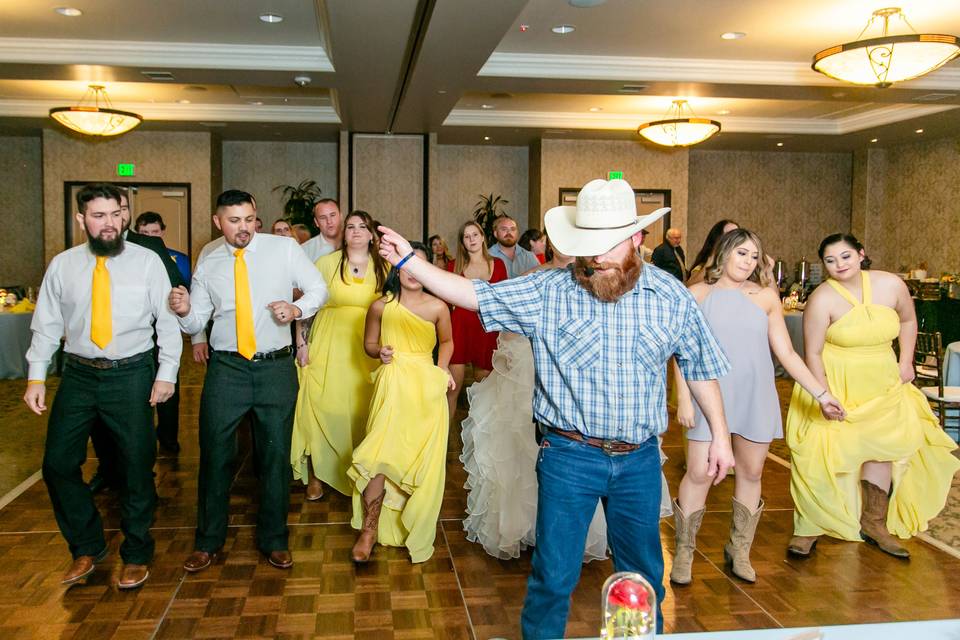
(106, 363)
(608, 446)
(270, 355)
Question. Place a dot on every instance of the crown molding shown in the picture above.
(165, 55)
(809, 126)
(638, 69)
(188, 113)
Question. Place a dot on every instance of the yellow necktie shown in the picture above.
(101, 316)
(246, 338)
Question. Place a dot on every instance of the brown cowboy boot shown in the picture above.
(802, 546)
(742, 529)
(686, 536)
(368, 534)
(873, 520)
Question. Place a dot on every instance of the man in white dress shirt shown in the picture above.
(327, 216)
(104, 297)
(516, 259)
(246, 286)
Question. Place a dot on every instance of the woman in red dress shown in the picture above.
(471, 344)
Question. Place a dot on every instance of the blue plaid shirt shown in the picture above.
(600, 366)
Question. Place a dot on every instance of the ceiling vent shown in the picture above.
(632, 88)
(159, 76)
(933, 97)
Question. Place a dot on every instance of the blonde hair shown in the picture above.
(463, 256)
(725, 247)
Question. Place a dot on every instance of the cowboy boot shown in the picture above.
(873, 520)
(802, 546)
(742, 529)
(686, 536)
(368, 534)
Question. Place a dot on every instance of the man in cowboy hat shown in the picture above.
(602, 332)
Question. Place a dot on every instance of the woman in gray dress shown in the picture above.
(747, 318)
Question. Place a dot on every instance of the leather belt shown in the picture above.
(270, 355)
(608, 446)
(106, 363)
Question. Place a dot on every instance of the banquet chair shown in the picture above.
(928, 357)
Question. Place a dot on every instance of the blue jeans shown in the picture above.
(572, 477)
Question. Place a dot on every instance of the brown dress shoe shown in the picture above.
(133, 576)
(82, 567)
(314, 490)
(280, 559)
(802, 546)
(198, 561)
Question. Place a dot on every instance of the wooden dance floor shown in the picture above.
(460, 593)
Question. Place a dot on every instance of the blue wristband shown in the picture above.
(402, 262)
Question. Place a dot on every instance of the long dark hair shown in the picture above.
(845, 238)
(379, 264)
(529, 236)
(392, 288)
(710, 244)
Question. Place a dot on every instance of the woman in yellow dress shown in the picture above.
(886, 468)
(399, 470)
(335, 384)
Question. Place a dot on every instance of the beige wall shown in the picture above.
(160, 156)
(388, 180)
(920, 212)
(792, 200)
(573, 163)
(460, 173)
(21, 259)
(258, 167)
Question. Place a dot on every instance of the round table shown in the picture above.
(15, 338)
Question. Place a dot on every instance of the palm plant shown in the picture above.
(298, 202)
(488, 209)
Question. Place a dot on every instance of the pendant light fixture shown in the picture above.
(95, 116)
(886, 59)
(679, 128)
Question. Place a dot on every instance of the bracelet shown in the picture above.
(407, 257)
(820, 395)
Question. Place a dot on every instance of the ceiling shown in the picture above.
(488, 72)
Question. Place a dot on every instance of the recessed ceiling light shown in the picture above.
(723, 112)
(70, 12)
(733, 35)
(919, 131)
(873, 139)
(486, 137)
(441, 91)
(486, 106)
(595, 109)
(271, 18)
(183, 102)
(779, 144)
(255, 103)
(563, 29)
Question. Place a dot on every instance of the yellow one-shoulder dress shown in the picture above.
(886, 421)
(406, 437)
(335, 388)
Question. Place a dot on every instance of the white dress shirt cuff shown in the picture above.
(197, 338)
(38, 370)
(190, 324)
(166, 373)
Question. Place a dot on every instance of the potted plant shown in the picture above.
(488, 208)
(298, 202)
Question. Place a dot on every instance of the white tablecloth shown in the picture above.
(951, 365)
(919, 630)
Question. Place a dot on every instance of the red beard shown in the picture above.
(609, 286)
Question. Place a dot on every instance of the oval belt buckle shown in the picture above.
(607, 447)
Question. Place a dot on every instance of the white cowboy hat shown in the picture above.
(605, 216)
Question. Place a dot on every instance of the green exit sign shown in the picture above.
(615, 175)
(126, 169)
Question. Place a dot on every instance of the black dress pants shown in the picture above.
(117, 398)
(267, 390)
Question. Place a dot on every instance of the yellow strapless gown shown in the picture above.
(886, 421)
(406, 436)
(335, 387)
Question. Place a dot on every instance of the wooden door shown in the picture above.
(171, 204)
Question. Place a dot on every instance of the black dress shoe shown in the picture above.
(100, 483)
